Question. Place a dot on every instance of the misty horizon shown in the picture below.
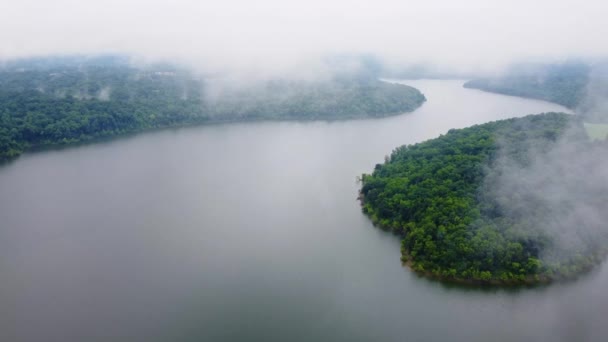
(276, 37)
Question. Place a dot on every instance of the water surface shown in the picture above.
(250, 232)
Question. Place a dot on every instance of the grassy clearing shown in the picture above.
(597, 131)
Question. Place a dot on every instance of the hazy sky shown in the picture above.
(275, 34)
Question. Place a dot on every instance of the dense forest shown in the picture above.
(53, 101)
(564, 84)
(507, 202)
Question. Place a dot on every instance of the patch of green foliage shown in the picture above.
(433, 194)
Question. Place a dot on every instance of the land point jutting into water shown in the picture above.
(497, 203)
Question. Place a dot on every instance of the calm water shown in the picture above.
(250, 232)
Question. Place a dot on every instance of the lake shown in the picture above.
(251, 232)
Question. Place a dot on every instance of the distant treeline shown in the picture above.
(53, 101)
(564, 84)
(476, 205)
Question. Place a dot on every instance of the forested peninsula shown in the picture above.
(59, 101)
(564, 83)
(518, 201)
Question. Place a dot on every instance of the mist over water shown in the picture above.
(250, 232)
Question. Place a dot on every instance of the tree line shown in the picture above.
(67, 100)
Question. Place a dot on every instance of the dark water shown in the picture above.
(250, 232)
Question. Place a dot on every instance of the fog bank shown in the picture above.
(273, 36)
(553, 195)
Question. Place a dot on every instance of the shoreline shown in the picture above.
(529, 281)
(210, 122)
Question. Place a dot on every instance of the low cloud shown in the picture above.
(553, 195)
(277, 36)
(594, 105)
